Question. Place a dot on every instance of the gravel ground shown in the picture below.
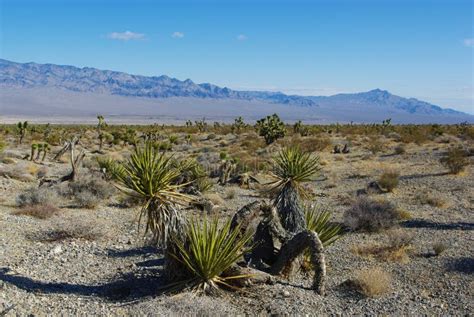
(118, 274)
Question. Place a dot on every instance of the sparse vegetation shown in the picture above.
(371, 215)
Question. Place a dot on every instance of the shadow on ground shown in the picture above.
(128, 287)
(461, 265)
(416, 176)
(138, 251)
(422, 223)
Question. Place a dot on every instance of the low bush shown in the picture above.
(455, 160)
(371, 215)
(400, 149)
(90, 190)
(37, 196)
(389, 180)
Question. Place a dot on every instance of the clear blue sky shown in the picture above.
(421, 49)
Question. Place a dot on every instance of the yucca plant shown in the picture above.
(151, 176)
(208, 251)
(317, 219)
(291, 168)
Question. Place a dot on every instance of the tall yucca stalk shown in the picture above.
(151, 176)
(208, 251)
(291, 168)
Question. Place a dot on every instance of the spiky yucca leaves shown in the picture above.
(208, 251)
(111, 168)
(317, 219)
(150, 175)
(291, 168)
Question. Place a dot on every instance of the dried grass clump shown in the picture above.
(373, 282)
(427, 198)
(230, 193)
(39, 211)
(396, 248)
(389, 180)
(439, 247)
(371, 215)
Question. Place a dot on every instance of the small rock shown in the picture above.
(57, 249)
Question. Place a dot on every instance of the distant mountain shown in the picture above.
(48, 89)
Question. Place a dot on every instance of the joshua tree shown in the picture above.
(34, 148)
(22, 128)
(201, 125)
(271, 128)
(238, 125)
(100, 127)
(299, 128)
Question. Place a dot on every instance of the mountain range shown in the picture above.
(55, 91)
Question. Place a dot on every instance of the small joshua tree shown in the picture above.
(271, 128)
(299, 128)
(22, 128)
(238, 125)
(201, 125)
(100, 127)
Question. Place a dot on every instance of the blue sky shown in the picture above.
(421, 49)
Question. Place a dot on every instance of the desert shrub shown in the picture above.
(313, 143)
(37, 196)
(90, 190)
(389, 180)
(209, 251)
(371, 215)
(439, 247)
(230, 193)
(40, 211)
(400, 149)
(373, 282)
(375, 145)
(395, 248)
(427, 198)
(271, 128)
(455, 160)
(86, 199)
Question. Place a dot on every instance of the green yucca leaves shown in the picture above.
(208, 251)
(318, 220)
(151, 176)
(293, 166)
